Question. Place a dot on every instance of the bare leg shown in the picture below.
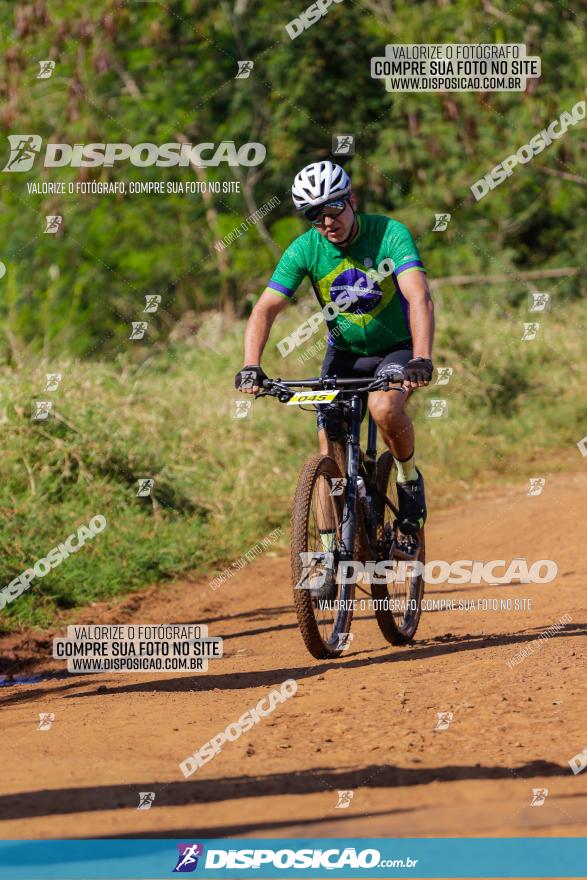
(387, 408)
(395, 426)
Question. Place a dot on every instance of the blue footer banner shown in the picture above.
(275, 858)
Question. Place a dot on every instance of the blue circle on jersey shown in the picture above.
(354, 283)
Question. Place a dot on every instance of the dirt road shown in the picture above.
(366, 723)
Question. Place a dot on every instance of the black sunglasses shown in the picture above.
(316, 215)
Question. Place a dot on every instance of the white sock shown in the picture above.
(328, 539)
(406, 470)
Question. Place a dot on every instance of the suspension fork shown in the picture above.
(349, 522)
(370, 457)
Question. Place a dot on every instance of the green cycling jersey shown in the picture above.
(357, 286)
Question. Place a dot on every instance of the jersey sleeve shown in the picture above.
(402, 250)
(290, 271)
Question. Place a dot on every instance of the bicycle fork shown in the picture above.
(349, 521)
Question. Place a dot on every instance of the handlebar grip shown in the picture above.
(394, 378)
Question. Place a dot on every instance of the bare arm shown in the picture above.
(414, 287)
(264, 313)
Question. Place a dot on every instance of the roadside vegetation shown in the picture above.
(221, 484)
(161, 408)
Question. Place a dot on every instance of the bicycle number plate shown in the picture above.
(312, 397)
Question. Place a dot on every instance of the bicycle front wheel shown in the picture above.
(323, 603)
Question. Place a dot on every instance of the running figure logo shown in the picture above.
(242, 409)
(53, 223)
(46, 719)
(539, 795)
(536, 485)
(441, 222)
(53, 380)
(145, 486)
(344, 799)
(248, 378)
(41, 410)
(152, 302)
(314, 568)
(187, 861)
(337, 485)
(23, 149)
(46, 69)
(444, 374)
(444, 719)
(540, 302)
(138, 329)
(530, 331)
(343, 145)
(437, 409)
(244, 69)
(146, 800)
(344, 641)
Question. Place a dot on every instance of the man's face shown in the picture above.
(335, 226)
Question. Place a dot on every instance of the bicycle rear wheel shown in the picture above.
(398, 604)
(324, 614)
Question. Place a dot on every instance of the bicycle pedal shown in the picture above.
(406, 547)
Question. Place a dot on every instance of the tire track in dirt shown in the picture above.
(364, 723)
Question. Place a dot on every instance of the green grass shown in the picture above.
(222, 484)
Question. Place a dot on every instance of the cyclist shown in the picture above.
(370, 281)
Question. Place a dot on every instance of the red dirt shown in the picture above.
(365, 722)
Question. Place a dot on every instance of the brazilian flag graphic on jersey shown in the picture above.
(357, 286)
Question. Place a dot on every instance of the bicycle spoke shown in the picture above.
(399, 616)
(323, 619)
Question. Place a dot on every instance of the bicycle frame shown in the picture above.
(326, 635)
(352, 406)
(353, 449)
(352, 466)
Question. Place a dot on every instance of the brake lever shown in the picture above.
(282, 392)
(384, 382)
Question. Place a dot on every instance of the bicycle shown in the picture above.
(361, 517)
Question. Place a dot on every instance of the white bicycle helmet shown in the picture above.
(318, 183)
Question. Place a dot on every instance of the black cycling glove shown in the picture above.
(248, 377)
(418, 370)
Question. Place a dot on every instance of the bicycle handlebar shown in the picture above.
(275, 387)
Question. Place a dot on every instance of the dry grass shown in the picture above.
(222, 484)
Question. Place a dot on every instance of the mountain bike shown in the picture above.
(358, 513)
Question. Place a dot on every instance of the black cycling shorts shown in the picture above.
(347, 365)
